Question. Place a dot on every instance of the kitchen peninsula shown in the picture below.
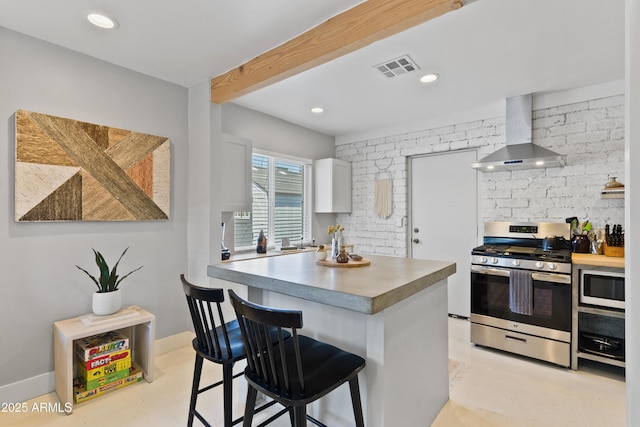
(392, 312)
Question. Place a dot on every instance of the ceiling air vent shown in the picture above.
(395, 67)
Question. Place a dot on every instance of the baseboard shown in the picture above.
(174, 342)
(30, 388)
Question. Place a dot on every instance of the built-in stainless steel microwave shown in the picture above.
(602, 288)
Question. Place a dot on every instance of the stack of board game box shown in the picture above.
(104, 363)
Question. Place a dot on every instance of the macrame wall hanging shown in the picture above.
(383, 198)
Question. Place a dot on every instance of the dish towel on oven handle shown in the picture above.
(521, 292)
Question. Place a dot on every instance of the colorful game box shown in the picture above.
(98, 345)
(81, 394)
(104, 360)
(101, 371)
(90, 384)
(104, 374)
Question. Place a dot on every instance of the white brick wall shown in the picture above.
(590, 133)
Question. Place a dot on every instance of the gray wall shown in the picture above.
(40, 283)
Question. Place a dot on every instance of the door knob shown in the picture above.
(416, 240)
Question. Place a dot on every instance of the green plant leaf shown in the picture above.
(125, 276)
(92, 278)
(104, 271)
(108, 281)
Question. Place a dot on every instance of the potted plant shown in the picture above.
(107, 299)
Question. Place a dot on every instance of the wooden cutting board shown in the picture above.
(351, 264)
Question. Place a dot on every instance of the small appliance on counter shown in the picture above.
(226, 254)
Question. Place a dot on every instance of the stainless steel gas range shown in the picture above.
(520, 293)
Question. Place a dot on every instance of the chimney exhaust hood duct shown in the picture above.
(520, 152)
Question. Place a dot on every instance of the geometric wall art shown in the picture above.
(67, 170)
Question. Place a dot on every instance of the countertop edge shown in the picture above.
(597, 260)
(357, 303)
(351, 302)
(393, 297)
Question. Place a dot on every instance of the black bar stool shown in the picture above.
(294, 371)
(216, 341)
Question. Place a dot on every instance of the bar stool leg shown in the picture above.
(252, 393)
(227, 386)
(300, 416)
(197, 371)
(356, 402)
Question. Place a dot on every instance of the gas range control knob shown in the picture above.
(552, 266)
(539, 264)
(484, 260)
(494, 260)
(516, 262)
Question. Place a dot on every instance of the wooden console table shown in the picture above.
(133, 322)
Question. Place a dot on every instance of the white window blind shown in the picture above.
(281, 188)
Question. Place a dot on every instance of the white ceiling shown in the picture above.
(485, 51)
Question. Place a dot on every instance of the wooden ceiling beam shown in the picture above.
(347, 32)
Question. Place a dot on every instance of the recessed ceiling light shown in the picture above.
(429, 78)
(102, 21)
(317, 110)
(539, 163)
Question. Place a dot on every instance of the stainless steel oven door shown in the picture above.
(551, 297)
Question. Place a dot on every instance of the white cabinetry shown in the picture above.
(235, 168)
(332, 186)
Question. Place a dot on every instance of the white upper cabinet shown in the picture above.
(236, 174)
(332, 186)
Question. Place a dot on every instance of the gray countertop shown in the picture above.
(368, 289)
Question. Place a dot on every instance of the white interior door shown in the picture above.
(444, 217)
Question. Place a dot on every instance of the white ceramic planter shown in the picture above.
(106, 302)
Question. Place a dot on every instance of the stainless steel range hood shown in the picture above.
(520, 152)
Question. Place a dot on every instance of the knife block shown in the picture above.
(613, 251)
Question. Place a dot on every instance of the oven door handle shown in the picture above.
(490, 270)
(564, 279)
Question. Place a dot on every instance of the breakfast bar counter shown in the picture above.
(368, 289)
(392, 312)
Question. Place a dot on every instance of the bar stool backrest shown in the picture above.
(264, 330)
(206, 314)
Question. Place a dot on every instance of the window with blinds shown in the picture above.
(280, 190)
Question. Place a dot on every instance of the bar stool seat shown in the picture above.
(294, 371)
(234, 352)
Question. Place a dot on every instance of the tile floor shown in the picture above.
(488, 388)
